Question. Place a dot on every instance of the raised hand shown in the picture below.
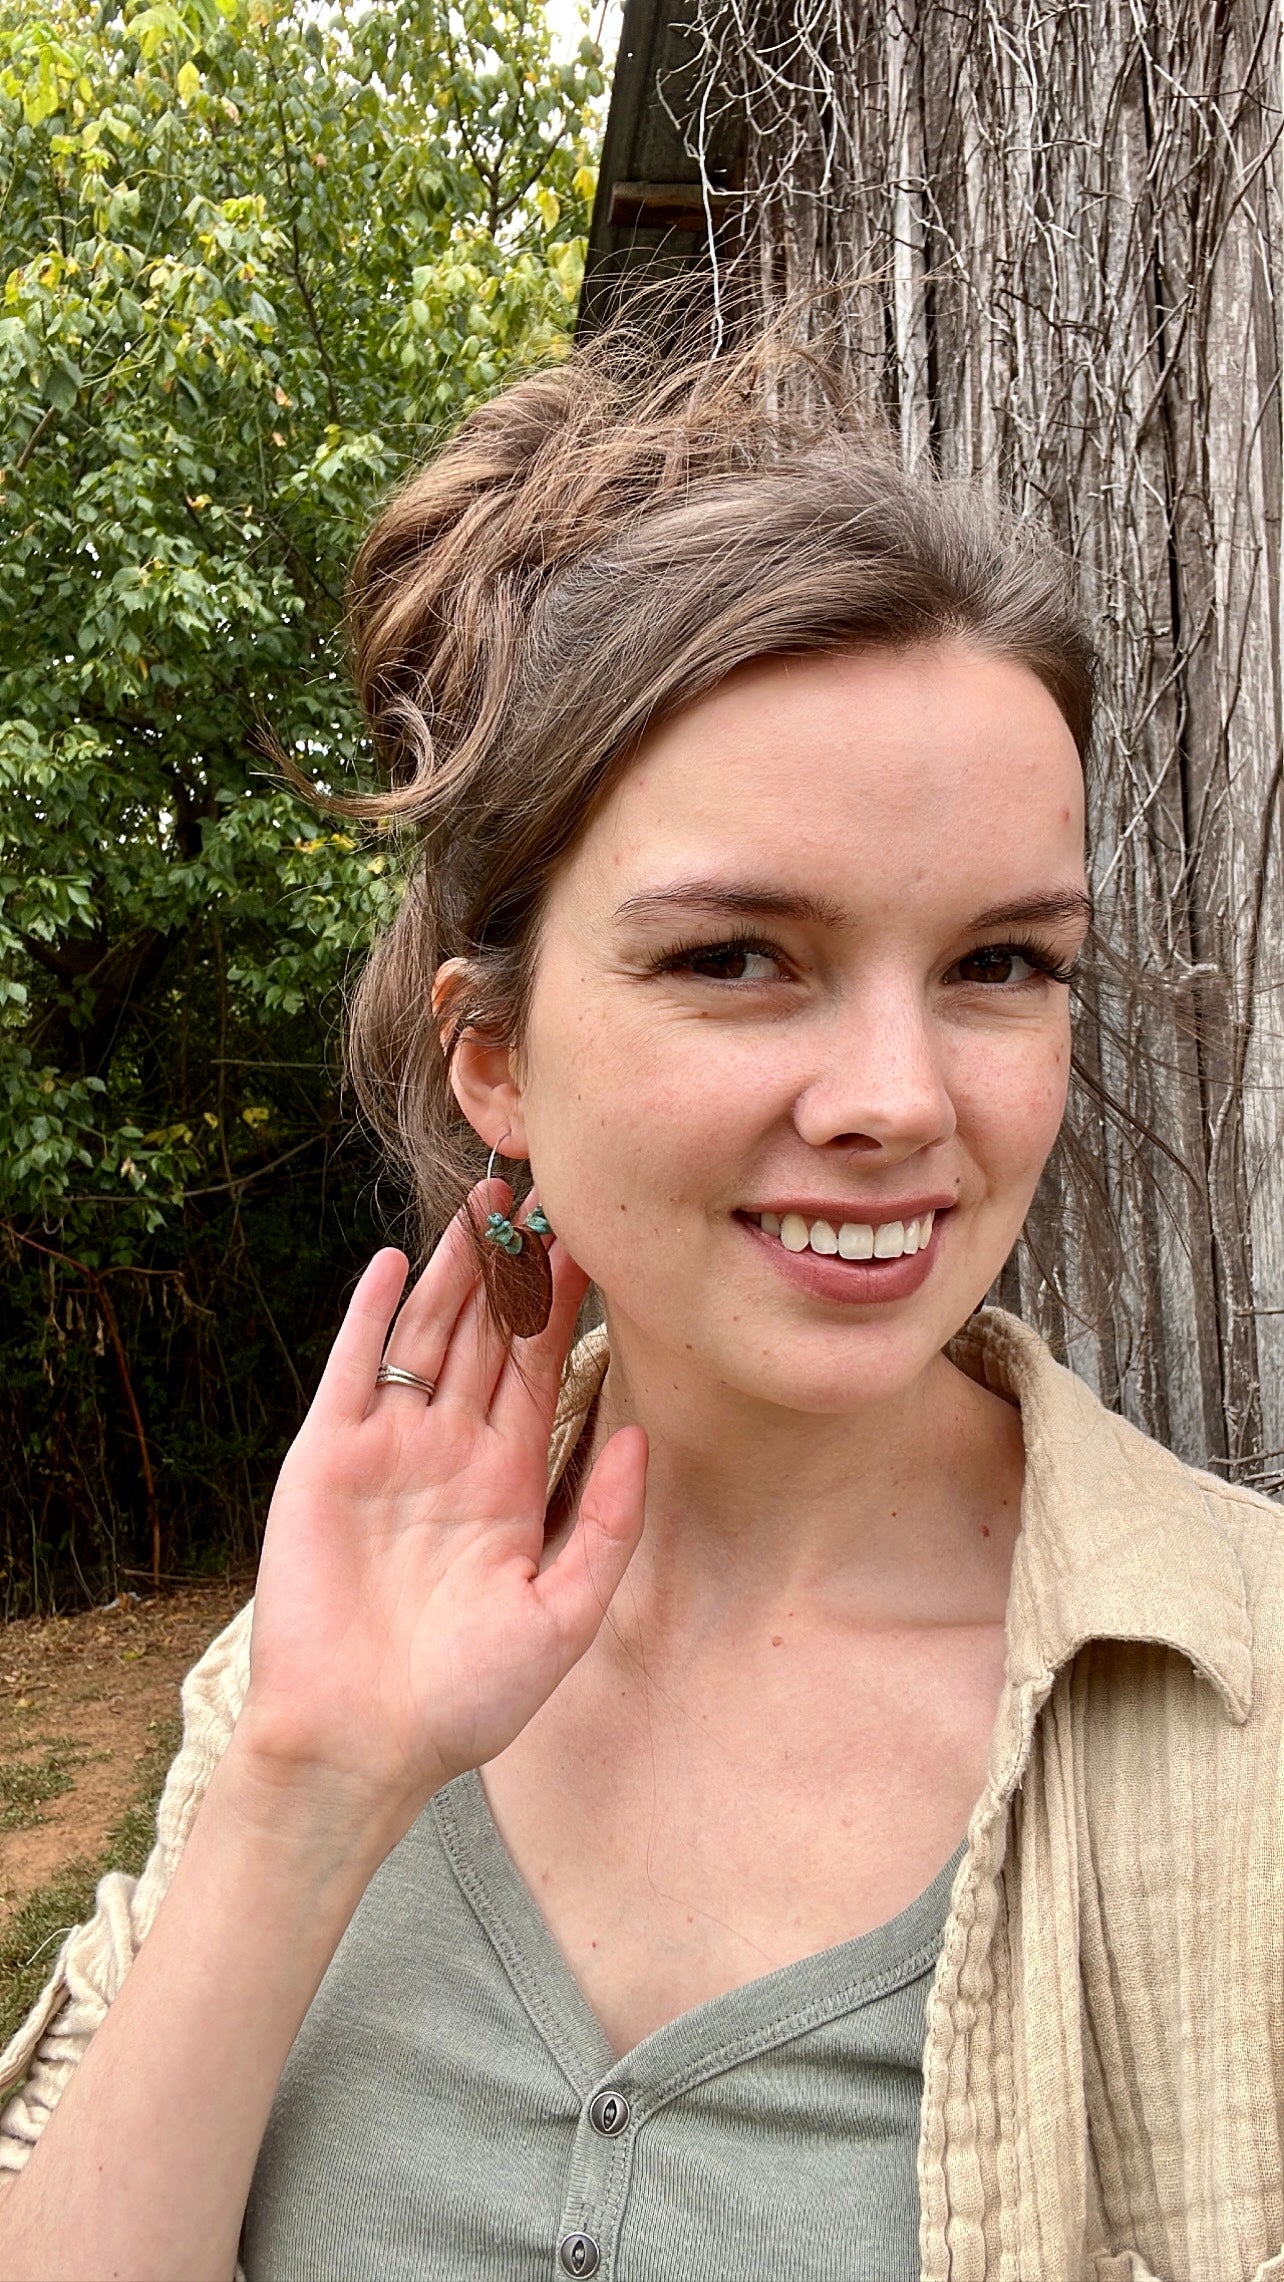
(403, 1627)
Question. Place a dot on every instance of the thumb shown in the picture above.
(579, 1586)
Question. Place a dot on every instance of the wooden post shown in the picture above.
(1072, 220)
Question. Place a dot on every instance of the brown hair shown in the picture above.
(593, 549)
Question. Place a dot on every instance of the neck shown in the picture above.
(900, 1511)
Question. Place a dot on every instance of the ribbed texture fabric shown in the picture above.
(434, 2123)
(1103, 2096)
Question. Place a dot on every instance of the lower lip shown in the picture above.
(856, 1283)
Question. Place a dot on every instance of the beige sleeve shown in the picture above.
(95, 1957)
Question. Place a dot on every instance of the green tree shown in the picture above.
(256, 257)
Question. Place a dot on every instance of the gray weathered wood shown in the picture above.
(1070, 218)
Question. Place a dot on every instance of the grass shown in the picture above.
(32, 1938)
(27, 1787)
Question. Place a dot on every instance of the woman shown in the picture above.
(803, 1799)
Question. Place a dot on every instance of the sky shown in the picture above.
(566, 18)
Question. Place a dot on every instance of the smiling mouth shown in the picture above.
(847, 1239)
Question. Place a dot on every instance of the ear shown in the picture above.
(481, 1073)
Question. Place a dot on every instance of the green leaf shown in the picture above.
(62, 385)
(229, 222)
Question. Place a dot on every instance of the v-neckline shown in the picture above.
(722, 2030)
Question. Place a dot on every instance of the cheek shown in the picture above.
(1010, 1097)
(629, 1138)
(605, 1110)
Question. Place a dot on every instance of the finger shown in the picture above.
(348, 1378)
(526, 1396)
(579, 1585)
(475, 1356)
(422, 1332)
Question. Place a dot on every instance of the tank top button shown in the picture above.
(578, 2254)
(610, 2113)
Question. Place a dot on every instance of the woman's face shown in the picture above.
(796, 1011)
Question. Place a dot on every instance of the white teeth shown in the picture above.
(856, 1241)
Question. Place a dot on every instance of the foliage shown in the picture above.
(256, 256)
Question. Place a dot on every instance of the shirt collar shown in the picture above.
(1119, 1540)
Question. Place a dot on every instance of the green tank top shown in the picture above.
(452, 2112)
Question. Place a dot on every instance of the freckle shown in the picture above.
(984, 1531)
(691, 1920)
(592, 1945)
(687, 1344)
(777, 1640)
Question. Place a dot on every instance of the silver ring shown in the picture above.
(392, 1375)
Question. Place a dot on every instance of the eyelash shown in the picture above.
(1043, 962)
(681, 956)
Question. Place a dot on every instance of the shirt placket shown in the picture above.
(597, 2183)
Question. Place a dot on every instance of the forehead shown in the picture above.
(865, 776)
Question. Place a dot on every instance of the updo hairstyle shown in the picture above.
(594, 548)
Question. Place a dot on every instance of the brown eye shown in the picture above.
(997, 963)
(730, 963)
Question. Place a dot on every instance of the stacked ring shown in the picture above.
(392, 1375)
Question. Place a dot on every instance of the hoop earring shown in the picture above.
(499, 1229)
(518, 1276)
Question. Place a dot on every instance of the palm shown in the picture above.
(404, 1629)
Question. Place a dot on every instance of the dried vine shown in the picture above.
(1066, 229)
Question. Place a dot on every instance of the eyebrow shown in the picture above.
(749, 901)
(752, 901)
(1061, 905)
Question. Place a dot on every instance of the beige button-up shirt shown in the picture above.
(1104, 2065)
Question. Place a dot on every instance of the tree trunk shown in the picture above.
(1070, 221)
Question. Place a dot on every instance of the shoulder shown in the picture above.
(1212, 1551)
(1123, 1540)
(1253, 1526)
(95, 1957)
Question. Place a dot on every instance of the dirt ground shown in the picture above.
(85, 1701)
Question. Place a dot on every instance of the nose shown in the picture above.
(878, 1085)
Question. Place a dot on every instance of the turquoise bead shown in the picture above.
(500, 1230)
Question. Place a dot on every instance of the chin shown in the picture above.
(826, 1376)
